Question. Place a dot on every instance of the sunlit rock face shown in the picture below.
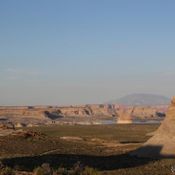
(125, 116)
(39, 115)
(162, 144)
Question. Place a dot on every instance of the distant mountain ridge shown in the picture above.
(141, 100)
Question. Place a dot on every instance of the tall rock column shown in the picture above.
(162, 144)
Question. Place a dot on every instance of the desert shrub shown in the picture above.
(89, 171)
(47, 168)
(19, 168)
(77, 169)
(61, 171)
(43, 170)
(39, 171)
(7, 171)
(1, 165)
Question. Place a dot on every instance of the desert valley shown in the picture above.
(87, 139)
(87, 87)
(28, 116)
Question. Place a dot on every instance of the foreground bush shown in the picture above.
(7, 171)
(89, 171)
(45, 169)
(77, 169)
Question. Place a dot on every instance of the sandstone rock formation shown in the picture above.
(162, 144)
(125, 116)
(38, 115)
(19, 125)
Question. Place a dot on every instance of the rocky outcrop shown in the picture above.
(81, 111)
(148, 112)
(125, 116)
(19, 125)
(45, 111)
(28, 134)
(37, 115)
(7, 126)
(162, 144)
(53, 115)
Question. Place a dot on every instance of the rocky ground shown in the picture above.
(105, 149)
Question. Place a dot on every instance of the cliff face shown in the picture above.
(45, 113)
(140, 113)
(81, 111)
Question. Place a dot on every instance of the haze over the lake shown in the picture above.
(85, 51)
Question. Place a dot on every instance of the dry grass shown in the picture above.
(103, 147)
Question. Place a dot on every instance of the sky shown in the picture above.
(62, 52)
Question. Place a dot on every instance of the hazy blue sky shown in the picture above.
(85, 51)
